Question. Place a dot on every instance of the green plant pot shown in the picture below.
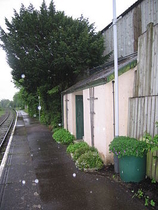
(132, 169)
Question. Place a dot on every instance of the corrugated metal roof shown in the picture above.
(101, 77)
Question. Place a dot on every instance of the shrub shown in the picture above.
(55, 129)
(63, 136)
(73, 147)
(152, 142)
(83, 150)
(89, 160)
(126, 146)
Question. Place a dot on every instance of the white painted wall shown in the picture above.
(103, 118)
(71, 106)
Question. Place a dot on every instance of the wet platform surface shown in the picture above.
(39, 175)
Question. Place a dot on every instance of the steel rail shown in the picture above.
(6, 134)
(8, 129)
(1, 123)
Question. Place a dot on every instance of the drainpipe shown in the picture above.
(66, 112)
(113, 92)
(91, 99)
(62, 111)
(116, 70)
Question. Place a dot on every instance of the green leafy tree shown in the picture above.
(18, 101)
(5, 103)
(52, 51)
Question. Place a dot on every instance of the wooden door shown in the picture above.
(79, 117)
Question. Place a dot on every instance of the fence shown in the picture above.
(143, 107)
(143, 113)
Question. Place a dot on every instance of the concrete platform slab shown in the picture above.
(39, 174)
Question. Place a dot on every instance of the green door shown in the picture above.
(79, 117)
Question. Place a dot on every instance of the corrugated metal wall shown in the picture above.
(130, 27)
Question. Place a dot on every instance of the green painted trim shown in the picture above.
(122, 70)
(79, 120)
(105, 80)
(110, 77)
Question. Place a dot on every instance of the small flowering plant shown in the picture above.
(126, 146)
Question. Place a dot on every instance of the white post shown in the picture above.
(116, 70)
(39, 107)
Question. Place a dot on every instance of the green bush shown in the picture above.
(55, 129)
(63, 136)
(73, 147)
(89, 160)
(126, 146)
(83, 150)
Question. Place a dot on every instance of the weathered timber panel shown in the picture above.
(152, 165)
(127, 38)
(143, 107)
(147, 63)
(143, 113)
(130, 27)
(149, 13)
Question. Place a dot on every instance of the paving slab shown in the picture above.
(39, 174)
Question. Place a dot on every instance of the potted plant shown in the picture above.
(132, 157)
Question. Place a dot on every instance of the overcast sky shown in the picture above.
(99, 12)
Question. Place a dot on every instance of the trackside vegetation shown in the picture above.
(49, 52)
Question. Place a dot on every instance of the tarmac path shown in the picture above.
(39, 174)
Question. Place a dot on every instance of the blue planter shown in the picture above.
(132, 169)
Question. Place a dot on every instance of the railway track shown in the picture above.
(6, 123)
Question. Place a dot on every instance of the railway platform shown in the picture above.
(39, 174)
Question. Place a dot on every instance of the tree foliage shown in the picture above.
(51, 50)
(5, 103)
(18, 101)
